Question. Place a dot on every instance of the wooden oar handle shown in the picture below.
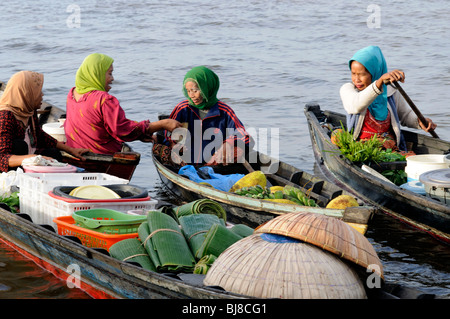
(414, 108)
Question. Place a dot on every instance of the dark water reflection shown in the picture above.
(20, 278)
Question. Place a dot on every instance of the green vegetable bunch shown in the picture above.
(396, 176)
(290, 193)
(364, 151)
(357, 151)
(12, 201)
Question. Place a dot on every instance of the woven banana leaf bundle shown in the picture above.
(166, 244)
(242, 230)
(131, 250)
(195, 227)
(217, 239)
(204, 264)
(200, 206)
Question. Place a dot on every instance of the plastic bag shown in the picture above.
(218, 181)
(8, 180)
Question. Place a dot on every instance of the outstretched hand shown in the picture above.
(171, 124)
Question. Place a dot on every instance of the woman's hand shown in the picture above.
(430, 126)
(226, 155)
(166, 124)
(77, 152)
(389, 77)
(171, 124)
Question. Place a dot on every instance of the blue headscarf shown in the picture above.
(373, 60)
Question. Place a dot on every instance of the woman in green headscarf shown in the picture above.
(215, 135)
(373, 107)
(95, 119)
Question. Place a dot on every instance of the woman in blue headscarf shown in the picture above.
(373, 107)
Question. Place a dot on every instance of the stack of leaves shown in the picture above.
(217, 239)
(200, 206)
(195, 227)
(242, 230)
(131, 250)
(165, 243)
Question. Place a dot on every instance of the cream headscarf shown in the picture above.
(22, 95)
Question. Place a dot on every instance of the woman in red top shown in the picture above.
(21, 136)
(95, 119)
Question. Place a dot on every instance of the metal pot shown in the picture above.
(437, 184)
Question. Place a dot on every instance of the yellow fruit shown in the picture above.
(249, 180)
(335, 136)
(342, 201)
(273, 189)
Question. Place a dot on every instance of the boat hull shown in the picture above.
(92, 270)
(423, 213)
(254, 212)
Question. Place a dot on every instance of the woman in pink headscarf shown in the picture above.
(95, 119)
(21, 136)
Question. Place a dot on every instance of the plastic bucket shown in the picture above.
(56, 130)
(419, 164)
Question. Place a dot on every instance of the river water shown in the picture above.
(272, 57)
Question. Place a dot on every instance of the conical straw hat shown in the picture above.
(327, 233)
(263, 266)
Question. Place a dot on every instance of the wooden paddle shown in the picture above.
(414, 108)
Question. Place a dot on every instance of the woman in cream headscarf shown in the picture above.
(95, 119)
(373, 107)
(20, 134)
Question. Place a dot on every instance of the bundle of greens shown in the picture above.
(368, 151)
(12, 201)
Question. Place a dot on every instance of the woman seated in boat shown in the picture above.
(214, 135)
(21, 136)
(95, 119)
(374, 107)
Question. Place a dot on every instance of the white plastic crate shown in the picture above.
(45, 182)
(35, 186)
(53, 207)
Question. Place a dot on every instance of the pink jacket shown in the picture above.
(98, 122)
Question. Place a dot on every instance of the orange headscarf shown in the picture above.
(22, 95)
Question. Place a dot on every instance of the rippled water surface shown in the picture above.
(272, 57)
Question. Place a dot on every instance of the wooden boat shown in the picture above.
(93, 270)
(104, 277)
(424, 213)
(120, 164)
(254, 212)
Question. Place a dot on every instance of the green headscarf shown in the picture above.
(91, 75)
(208, 83)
